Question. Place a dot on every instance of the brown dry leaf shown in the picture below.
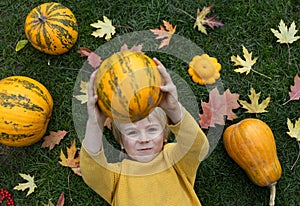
(53, 139)
(71, 160)
(93, 59)
(164, 34)
(255, 107)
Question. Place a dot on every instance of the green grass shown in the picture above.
(219, 181)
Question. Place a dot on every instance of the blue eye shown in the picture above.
(131, 133)
(153, 129)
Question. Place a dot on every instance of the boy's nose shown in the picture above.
(143, 137)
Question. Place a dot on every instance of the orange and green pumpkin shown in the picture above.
(51, 28)
(25, 110)
(128, 86)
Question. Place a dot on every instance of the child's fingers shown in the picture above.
(163, 71)
(91, 84)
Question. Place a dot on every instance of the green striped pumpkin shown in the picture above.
(128, 86)
(25, 110)
(51, 28)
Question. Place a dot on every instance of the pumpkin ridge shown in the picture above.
(32, 87)
(19, 101)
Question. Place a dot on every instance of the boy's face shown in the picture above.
(142, 140)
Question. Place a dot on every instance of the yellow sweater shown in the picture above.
(166, 180)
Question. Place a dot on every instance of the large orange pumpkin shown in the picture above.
(51, 28)
(251, 144)
(128, 86)
(25, 110)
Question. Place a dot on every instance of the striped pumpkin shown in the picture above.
(127, 85)
(25, 110)
(51, 28)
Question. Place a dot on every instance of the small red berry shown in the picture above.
(4, 194)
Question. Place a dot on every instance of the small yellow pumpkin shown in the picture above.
(128, 86)
(204, 69)
(251, 144)
(51, 28)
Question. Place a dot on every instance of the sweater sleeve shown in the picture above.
(191, 146)
(98, 174)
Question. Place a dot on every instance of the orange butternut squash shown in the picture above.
(251, 144)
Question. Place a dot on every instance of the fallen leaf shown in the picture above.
(53, 139)
(93, 59)
(295, 90)
(164, 34)
(21, 44)
(83, 98)
(104, 28)
(246, 65)
(29, 185)
(284, 34)
(61, 200)
(70, 160)
(107, 123)
(137, 48)
(201, 20)
(294, 132)
(255, 107)
(218, 107)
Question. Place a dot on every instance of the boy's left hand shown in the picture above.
(169, 102)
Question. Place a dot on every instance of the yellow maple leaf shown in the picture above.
(164, 34)
(83, 98)
(255, 107)
(294, 130)
(246, 64)
(284, 34)
(201, 20)
(104, 28)
(29, 185)
(70, 160)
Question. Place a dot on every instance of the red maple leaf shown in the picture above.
(295, 90)
(218, 107)
(93, 59)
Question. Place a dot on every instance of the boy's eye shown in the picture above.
(131, 133)
(152, 129)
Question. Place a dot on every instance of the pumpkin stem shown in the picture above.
(272, 194)
(42, 18)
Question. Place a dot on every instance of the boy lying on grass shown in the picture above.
(152, 173)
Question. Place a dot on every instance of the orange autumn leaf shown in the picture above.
(164, 34)
(70, 160)
(53, 139)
